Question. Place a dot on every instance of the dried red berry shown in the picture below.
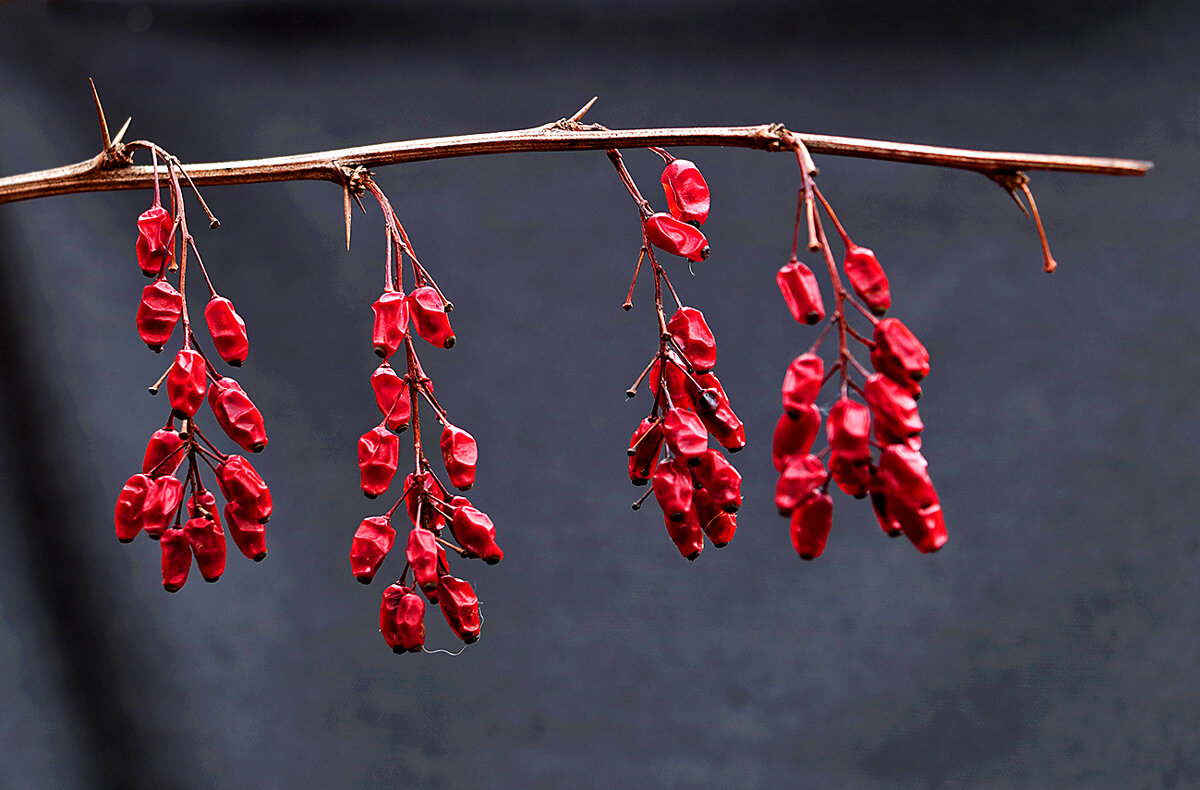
(721, 529)
(242, 485)
(427, 494)
(673, 486)
(162, 500)
(687, 534)
(228, 330)
(794, 436)
(722, 482)
(429, 317)
(460, 605)
(925, 527)
(422, 555)
(693, 336)
(811, 522)
(163, 454)
(676, 381)
(460, 453)
(894, 410)
(378, 457)
(130, 504)
(867, 278)
(851, 475)
(676, 237)
(898, 354)
(237, 415)
(475, 532)
(802, 382)
(392, 397)
(248, 534)
(800, 479)
(878, 489)
(402, 619)
(644, 447)
(186, 383)
(176, 559)
(207, 541)
(685, 434)
(905, 473)
(372, 541)
(158, 313)
(849, 429)
(686, 191)
(800, 291)
(720, 420)
(154, 234)
(391, 322)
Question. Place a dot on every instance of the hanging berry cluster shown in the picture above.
(430, 508)
(697, 488)
(897, 480)
(153, 500)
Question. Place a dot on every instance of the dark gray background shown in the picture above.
(1054, 642)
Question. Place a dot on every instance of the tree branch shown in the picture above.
(111, 170)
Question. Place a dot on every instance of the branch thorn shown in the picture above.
(582, 111)
(106, 140)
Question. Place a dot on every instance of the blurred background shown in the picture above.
(1053, 642)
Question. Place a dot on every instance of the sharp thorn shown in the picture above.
(104, 136)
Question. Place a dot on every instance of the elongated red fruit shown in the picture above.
(228, 330)
(372, 541)
(849, 429)
(800, 479)
(802, 383)
(867, 278)
(163, 453)
(906, 474)
(130, 504)
(378, 457)
(676, 382)
(402, 619)
(207, 541)
(691, 333)
(676, 237)
(811, 522)
(878, 489)
(685, 434)
(154, 233)
(429, 317)
(852, 475)
(427, 492)
(237, 415)
(460, 453)
(241, 484)
(248, 534)
(721, 480)
(422, 555)
(800, 291)
(158, 313)
(186, 383)
(898, 354)
(687, 534)
(460, 605)
(794, 436)
(686, 190)
(391, 322)
(162, 500)
(176, 559)
(673, 486)
(644, 447)
(894, 409)
(476, 534)
(392, 397)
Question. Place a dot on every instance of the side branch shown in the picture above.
(106, 172)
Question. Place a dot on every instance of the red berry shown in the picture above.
(176, 559)
(429, 317)
(162, 500)
(248, 534)
(898, 354)
(878, 489)
(672, 483)
(685, 434)
(391, 322)
(460, 605)
(794, 436)
(849, 429)
(686, 191)
(644, 447)
(802, 382)
(925, 527)
(676, 382)
(475, 532)
(687, 534)
(811, 522)
(207, 541)
(851, 475)
(427, 493)
(460, 453)
(130, 504)
(722, 482)
(422, 555)
(186, 383)
(237, 415)
(402, 619)
(676, 237)
(243, 486)
(158, 313)
(228, 330)
(154, 234)
(894, 410)
(392, 397)
(693, 336)
(372, 541)
(867, 278)
(378, 457)
(800, 291)
(800, 480)
(163, 454)
(905, 473)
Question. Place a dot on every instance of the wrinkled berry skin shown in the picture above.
(721, 480)
(474, 531)
(187, 382)
(176, 559)
(237, 415)
(800, 479)
(794, 436)
(402, 619)
(867, 278)
(154, 234)
(460, 454)
(687, 534)
(378, 457)
(811, 522)
(163, 454)
(676, 237)
(800, 292)
(690, 331)
(162, 500)
(429, 317)
(802, 383)
(460, 605)
(248, 534)
(228, 330)
(372, 541)
(130, 504)
(422, 555)
(207, 541)
(392, 397)
(686, 190)
(672, 483)
(685, 434)
(391, 322)
(898, 354)
(849, 429)
(894, 410)
(158, 313)
(241, 484)
(644, 447)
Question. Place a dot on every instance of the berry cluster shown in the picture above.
(153, 500)
(697, 488)
(897, 481)
(430, 508)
